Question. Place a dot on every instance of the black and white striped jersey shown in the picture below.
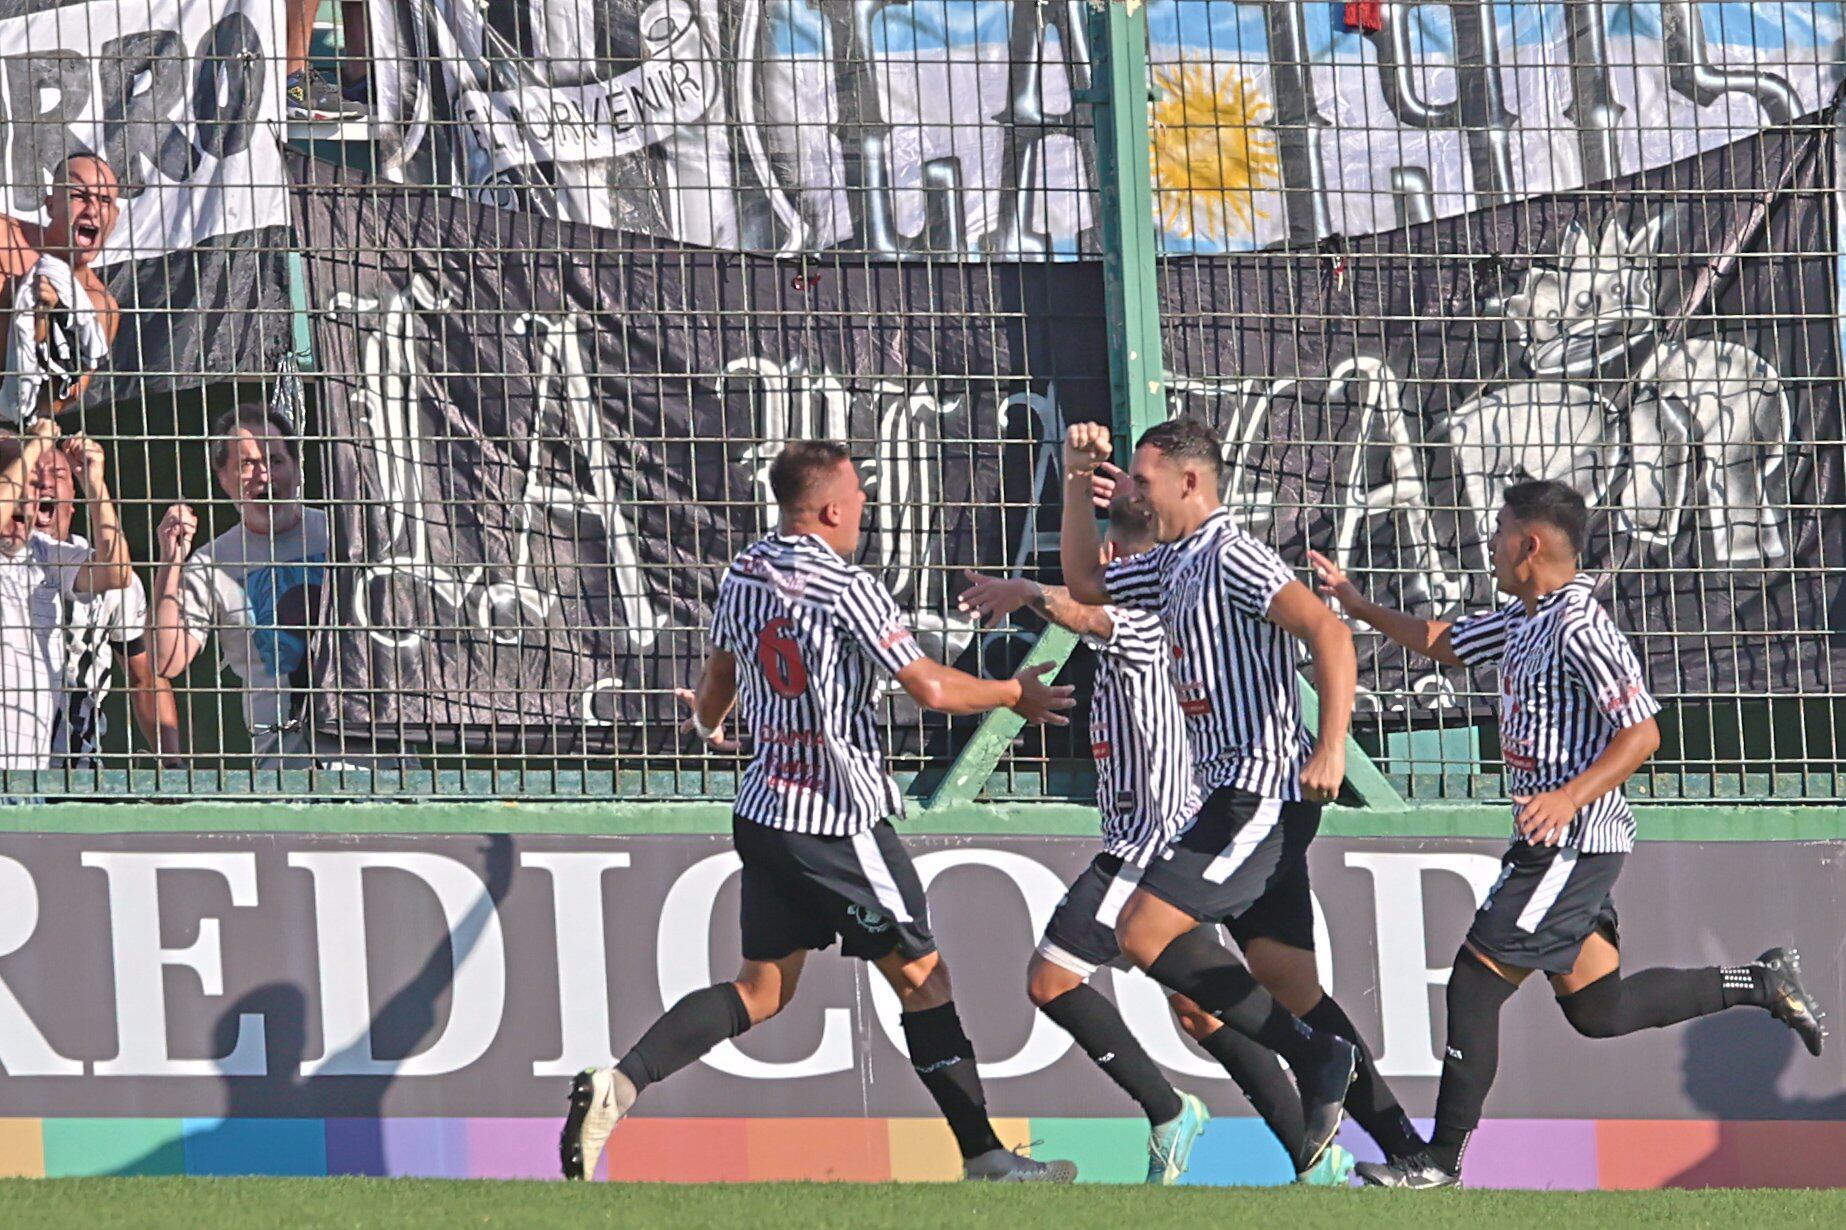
(1145, 788)
(810, 633)
(1568, 681)
(1233, 670)
(96, 628)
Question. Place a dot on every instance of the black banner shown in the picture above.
(546, 436)
(549, 439)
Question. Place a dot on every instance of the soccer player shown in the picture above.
(1233, 613)
(797, 637)
(1145, 793)
(1576, 721)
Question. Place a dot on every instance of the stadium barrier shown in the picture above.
(539, 311)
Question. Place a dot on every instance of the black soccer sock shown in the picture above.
(1263, 1081)
(1742, 984)
(1200, 968)
(1471, 1057)
(944, 1060)
(684, 1032)
(1092, 1020)
(1613, 1005)
(1370, 1101)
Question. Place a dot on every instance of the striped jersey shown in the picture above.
(96, 626)
(1568, 681)
(1233, 670)
(810, 633)
(1145, 788)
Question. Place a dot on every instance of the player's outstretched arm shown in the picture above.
(1429, 637)
(992, 599)
(710, 702)
(947, 690)
(1543, 818)
(1086, 446)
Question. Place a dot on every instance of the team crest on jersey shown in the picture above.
(868, 918)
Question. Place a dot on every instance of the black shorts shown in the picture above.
(1547, 901)
(1243, 861)
(1081, 934)
(802, 892)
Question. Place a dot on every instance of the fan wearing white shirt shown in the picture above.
(98, 628)
(38, 576)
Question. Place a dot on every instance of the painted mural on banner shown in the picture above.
(531, 554)
(464, 975)
(183, 98)
(959, 126)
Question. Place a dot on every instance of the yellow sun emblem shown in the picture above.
(1211, 154)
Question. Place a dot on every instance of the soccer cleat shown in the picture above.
(1009, 1166)
(1323, 1097)
(1169, 1145)
(1334, 1169)
(1789, 1001)
(599, 1097)
(1416, 1171)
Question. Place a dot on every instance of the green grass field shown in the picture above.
(354, 1203)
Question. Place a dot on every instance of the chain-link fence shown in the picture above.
(464, 345)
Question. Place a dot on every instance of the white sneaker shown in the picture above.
(599, 1097)
(1006, 1166)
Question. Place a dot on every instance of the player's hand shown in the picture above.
(45, 294)
(1103, 484)
(1086, 446)
(1324, 772)
(717, 742)
(1333, 581)
(1543, 818)
(992, 599)
(175, 534)
(1041, 703)
(87, 461)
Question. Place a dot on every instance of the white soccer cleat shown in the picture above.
(599, 1097)
(1006, 1166)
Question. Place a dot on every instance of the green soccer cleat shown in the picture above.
(1169, 1145)
(1334, 1169)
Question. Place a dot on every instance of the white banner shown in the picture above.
(182, 97)
(960, 125)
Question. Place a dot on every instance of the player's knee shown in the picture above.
(1046, 982)
(763, 1002)
(766, 989)
(1596, 1010)
(1289, 974)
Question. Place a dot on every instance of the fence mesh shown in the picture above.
(510, 306)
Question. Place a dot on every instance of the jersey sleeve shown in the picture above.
(128, 616)
(198, 598)
(1253, 575)
(63, 560)
(1479, 638)
(1596, 652)
(869, 615)
(1135, 638)
(1134, 583)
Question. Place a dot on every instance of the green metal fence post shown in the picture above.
(1137, 381)
(1119, 98)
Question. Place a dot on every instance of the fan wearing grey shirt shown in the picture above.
(258, 585)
